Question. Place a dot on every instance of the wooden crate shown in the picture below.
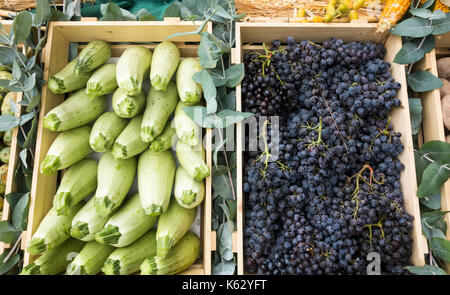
(11, 185)
(258, 33)
(56, 57)
(432, 121)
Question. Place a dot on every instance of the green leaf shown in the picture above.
(229, 117)
(22, 26)
(12, 199)
(111, 12)
(441, 248)
(433, 179)
(31, 136)
(8, 234)
(427, 4)
(222, 119)
(224, 268)
(217, 148)
(9, 264)
(228, 101)
(234, 75)
(217, 77)
(23, 157)
(209, 90)
(8, 122)
(415, 110)
(421, 164)
(426, 270)
(208, 59)
(222, 185)
(7, 55)
(35, 99)
(173, 10)
(437, 150)
(437, 14)
(423, 81)
(413, 27)
(426, 45)
(25, 118)
(20, 213)
(43, 12)
(441, 26)
(16, 72)
(409, 54)
(57, 15)
(421, 12)
(232, 206)
(433, 202)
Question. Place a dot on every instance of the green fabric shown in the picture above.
(155, 7)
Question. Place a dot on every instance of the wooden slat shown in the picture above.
(61, 34)
(433, 125)
(261, 32)
(213, 240)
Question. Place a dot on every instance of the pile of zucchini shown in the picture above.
(6, 100)
(113, 232)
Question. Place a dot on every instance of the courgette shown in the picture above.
(188, 192)
(68, 148)
(172, 225)
(192, 159)
(76, 111)
(127, 106)
(125, 261)
(156, 171)
(105, 131)
(160, 106)
(87, 222)
(95, 54)
(66, 81)
(4, 154)
(132, 67)
(54, 261)
(165, 140)
(3, 176)
(52, 231)
(115, 178)
(7, 137)
(79, 181)
(90, 260)
(6, 104)
(126, 225)
(4, 75)
(190, 92)
(166, 58)
(129, 142)
(187, 130)
(103, 81)
(179, 258)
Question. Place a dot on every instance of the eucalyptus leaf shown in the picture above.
(217, 148)
(222, 185)
(427, 3)
(421, 164)
(20, 213)
(413, 27)
(8, 234)
(31, 136)
(426, 270)
(7, 122)
(234, 75)
(218, 78)
(415, 110)
(441, 26)
(437, 14)
(27, 117)
(43, 12)
(16, 72)
(421, 12)
(224, 268)
(9, 264)
(209, 90)
(433, 202)
(441, 248)
(7, 55)
(208, 59)
(433, 178)
(426, 44)
(423, 81)
(437, 150)
(21, 27)
(410, 53)
(23, 157)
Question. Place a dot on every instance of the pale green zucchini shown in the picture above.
(190, 92)
(132, 67)
(156, 171)
(79, 181)
(187, 130)
(179, 258)
(127, 106)
(192, 159)
(166, 58)
(165, 140)
(129, 143)
(105, 131)
(126, 225)
(65, 80)
(125, 261)
(76, 111)
(188, 192)
(160, 106)
(52, 231)
(115, 178)
(90, 260)
(95, 54)
(87, 222)
(68, 148)
(172, 225)
(103, 81)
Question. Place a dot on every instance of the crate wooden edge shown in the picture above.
(433, 127)
(205, 268)
(420, 247)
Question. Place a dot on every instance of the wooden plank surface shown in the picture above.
(261, 32)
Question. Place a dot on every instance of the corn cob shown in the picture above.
(392, 12)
